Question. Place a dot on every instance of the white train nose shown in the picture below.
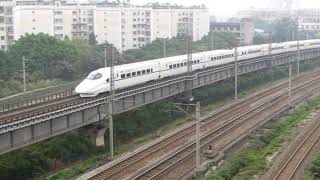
(83, 87)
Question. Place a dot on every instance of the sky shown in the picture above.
(227, 8)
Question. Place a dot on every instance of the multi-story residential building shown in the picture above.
(126, 26)
(309, 19)
(243, 30)
(59, 20)
(6, 23)
(178, 21)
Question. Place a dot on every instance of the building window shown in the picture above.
(74, 20)
(2, 37)
(58, 28)
(3, 47)
(74, 12)
(58, 20)
(57, 12)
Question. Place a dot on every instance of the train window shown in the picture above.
(185, 63)
(178, 65)
(211, 58)
(123, 76)
(134, 74)
(174, 66)
(181, 64)
(151, 70)
(94, 76)
(215, 58)
(170, 66)
(148, 70)
(107, 80)
(128, 74)
(143, 71)
(139, 73)
(198, 61)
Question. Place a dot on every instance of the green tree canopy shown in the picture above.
(285, 29)
(46, 56)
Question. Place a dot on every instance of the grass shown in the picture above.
(252, 160)
(74, 171)
(314, 168)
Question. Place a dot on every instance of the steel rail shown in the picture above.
(114, 171)
(182, 150)
(300, 147)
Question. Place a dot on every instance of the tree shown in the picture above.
(92, 39)
(285, 29)
(46, 54)
(3, 66)
(259, 39)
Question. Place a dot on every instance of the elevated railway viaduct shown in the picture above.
(37, 116)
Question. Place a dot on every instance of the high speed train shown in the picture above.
(132, 74)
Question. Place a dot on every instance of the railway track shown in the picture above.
(172, 143)
(44, 108)
(183, 161)
(294, 163)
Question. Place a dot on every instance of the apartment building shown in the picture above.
(125, 26)
(309, 19)
(73, 21)
(174, 21)
(6, 23)
(243, 30)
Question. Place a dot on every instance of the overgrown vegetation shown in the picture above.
(41, 157)
(51, 59)
(252, 160)
(314, 170)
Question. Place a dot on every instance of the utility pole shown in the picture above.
(24, 73)
(269, 50)
(112, 95)
(189, 64)
(212, 40)
(164, 48)
(198, 135)
(197, 123)
(105, 54)
(236, 73)
(298, 57)
(290, 79)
